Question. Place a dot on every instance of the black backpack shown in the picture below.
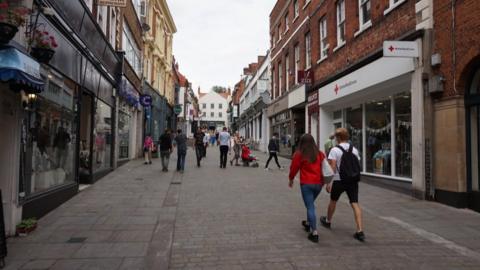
(349, 166)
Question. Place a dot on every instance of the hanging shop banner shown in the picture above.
(113, 3)
(146, 100)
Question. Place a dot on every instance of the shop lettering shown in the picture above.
(343, 86)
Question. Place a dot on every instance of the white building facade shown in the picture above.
(253, 107)
(213, 110)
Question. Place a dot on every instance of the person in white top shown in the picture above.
(224, 142)
(338, 186)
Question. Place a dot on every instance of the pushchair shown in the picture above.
(248, 158)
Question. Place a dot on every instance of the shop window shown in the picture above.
(102, 134)
(354, 125)
(49, 156)
(123, 135)
(403, 135)
(378, 136)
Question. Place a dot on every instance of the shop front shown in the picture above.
(312, 116)
(296, 104)
(281, 121)
(128, 103)
(377, 112)
(472, 102)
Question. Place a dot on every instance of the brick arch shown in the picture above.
(468, 64)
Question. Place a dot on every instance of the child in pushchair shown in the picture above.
(248, 158)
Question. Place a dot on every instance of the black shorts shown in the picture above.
(339, 187)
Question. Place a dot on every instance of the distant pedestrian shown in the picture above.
(216, 136)
(199, 145)
(166, 147)
(308, 160)
(329, 144)
(345, 162)
(181, 144)
(237, 149)
(224, 142)
(206, 141)
(273, 148)
(147, 149)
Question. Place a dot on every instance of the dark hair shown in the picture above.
(308, 148)
(179, 131)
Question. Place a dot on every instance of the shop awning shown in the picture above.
(20, 70)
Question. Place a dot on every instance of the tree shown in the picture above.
(219, 89)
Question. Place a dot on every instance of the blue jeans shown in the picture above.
(310, 192)
(181, 161)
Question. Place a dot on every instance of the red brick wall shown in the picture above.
(467, 42)
(392, 26)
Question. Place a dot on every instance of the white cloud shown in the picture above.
(216, 39)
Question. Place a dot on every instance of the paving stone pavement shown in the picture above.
(238, 218)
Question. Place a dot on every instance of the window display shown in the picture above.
(378, 135)
(50, 144)
(403, 135)
(102, 137)
(354, 125)
(123, 135)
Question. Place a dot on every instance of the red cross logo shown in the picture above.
(391, 48)
(336, 89)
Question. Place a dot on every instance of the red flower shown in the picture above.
(4, 5)
(2, 17)
(45, 33)
(54, 45)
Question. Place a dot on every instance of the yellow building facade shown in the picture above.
(158, 56)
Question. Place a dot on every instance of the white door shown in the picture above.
(9, 159)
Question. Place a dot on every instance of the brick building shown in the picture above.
(329, 70)
(455, 119)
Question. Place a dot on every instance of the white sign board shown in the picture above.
(400, 49)
(113, 3)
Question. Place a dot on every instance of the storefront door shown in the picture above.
(473, 133)
(86, 146)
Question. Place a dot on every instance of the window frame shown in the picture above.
(297, 61)
(393, 5)
(341, 21)
(280, 78)
(308, 51)
(287, 71)
(324, 45)
(296, 10)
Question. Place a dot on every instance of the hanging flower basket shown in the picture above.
(43, 55)
(7, 32)
(11, 18)
(42, 46)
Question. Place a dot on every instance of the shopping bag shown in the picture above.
(327, 172)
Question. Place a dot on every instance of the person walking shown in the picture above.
(165, 142)
(329, 144)
(147, 149)
(199, 145)
(181, 143)
(273, 148)
(345, 162)
(237, 149)
(224, 142)
(308, 160)
(206, 140)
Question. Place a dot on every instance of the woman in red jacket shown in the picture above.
(308, 160)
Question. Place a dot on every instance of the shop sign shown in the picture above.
(177, 109)
(128, 93)
(305, 76)
(400, 49)
(297, 96)
(146, 100)
(312, 102)
(113, 3)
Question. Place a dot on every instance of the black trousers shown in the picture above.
(273, 155)
(223, 155)
(200, 152)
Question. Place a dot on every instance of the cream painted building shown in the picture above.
(158, 40)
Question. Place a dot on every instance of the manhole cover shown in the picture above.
(77, 240)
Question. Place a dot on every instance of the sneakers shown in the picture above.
(281, 168)
(360, 236)
(305, 225)
(313, 237)
(324, 222)
(267, 169)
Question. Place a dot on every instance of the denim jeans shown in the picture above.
(181, 161)
(165, 155)
(310, 192)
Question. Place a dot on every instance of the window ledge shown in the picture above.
(363, 28)
(296, 18)
(322, 59)
(307, 3)
(394, 6)
(339, 46)
(286, 31)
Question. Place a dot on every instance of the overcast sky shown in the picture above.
(216, 39)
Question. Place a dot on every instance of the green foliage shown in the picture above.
(219, 89)
(27, 223)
